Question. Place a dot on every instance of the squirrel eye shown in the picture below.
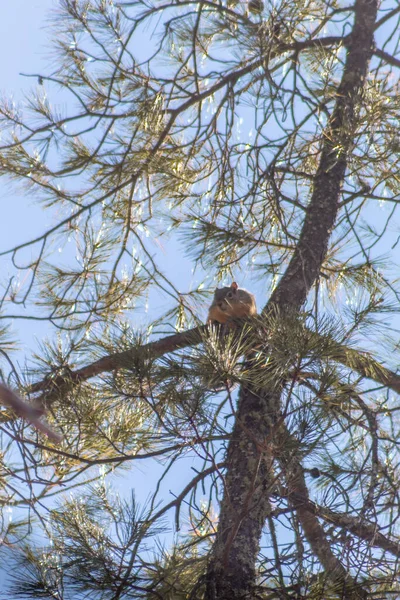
(229, 295)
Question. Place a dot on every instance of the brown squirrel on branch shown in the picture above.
(231, 303)
(27, 411)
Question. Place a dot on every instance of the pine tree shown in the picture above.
(255, 142)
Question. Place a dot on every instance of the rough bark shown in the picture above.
(231, 574)
(248, 483)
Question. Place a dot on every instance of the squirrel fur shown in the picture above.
(231, 303)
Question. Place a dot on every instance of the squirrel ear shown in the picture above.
(234, 286)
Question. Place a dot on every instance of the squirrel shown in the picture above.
(231, 303)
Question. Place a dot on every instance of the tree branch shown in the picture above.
(119, 360)
(313, 530)
(391, 60)
(361, 362)
(358, 527)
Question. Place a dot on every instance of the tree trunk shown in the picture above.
(251, 452)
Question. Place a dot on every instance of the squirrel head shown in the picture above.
(224, 297)
(231, 303)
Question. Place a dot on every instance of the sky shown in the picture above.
(24, 44)
(24, 47)
(27, 49)
(22, 40)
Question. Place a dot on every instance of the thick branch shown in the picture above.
(313, 530)
(119, 360)
(361, 362)
(388, 58)
(358, 527)
(305, 265)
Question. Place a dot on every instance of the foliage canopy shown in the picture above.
(201, 141)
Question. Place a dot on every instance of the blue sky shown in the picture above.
(25, 48)
(25, 42)
(22, 40)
